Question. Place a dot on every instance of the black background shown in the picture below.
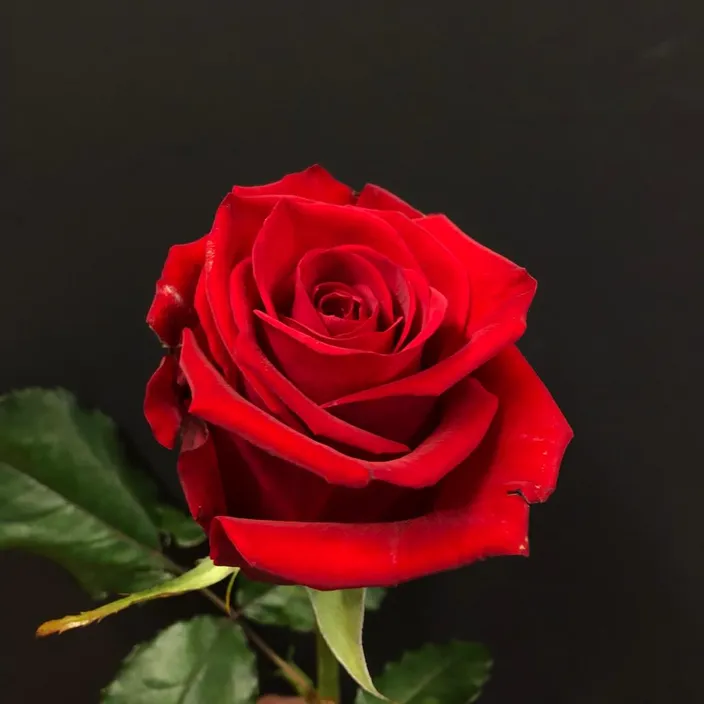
(567, 135)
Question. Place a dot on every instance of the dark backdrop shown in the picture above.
(567, 135)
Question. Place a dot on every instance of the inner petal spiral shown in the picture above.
(340, 302)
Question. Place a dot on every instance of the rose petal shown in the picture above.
(343, 556)
(380, 342)
(416, 303)
(263, 397)
(162, 403)
(172, 307)
(379, 198)
(244, 297)
(530, 432)
(314, 183)
(237, 222)
(199, 473)
(210, 333)
(303, 309)
(497, 283)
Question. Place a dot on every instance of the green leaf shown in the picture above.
(203, 575)
(202, 661)
(435, 674)
(186, 533)
(287, 606)
(171, 522)
(340, 619)
(65, 494)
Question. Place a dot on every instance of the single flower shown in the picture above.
(342, 372)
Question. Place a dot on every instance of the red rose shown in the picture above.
(352, 407)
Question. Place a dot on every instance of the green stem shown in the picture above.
(328, 672)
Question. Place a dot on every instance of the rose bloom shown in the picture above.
(341, 370)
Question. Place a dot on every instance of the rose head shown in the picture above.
(342, 372)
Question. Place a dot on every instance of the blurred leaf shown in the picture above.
(203, 575)
(287, 606)
(65, 494)
(174, 524)
(171, 522)
(434, 674)
(340, 619)
(205, 660)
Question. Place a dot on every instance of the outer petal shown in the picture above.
(530, 432)
(378, 198)
(315, 183)
(208, 330)
(498, 285)
(199, 473)
(343, 555)
(162, 404)
(237, 223)
(172, 307)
